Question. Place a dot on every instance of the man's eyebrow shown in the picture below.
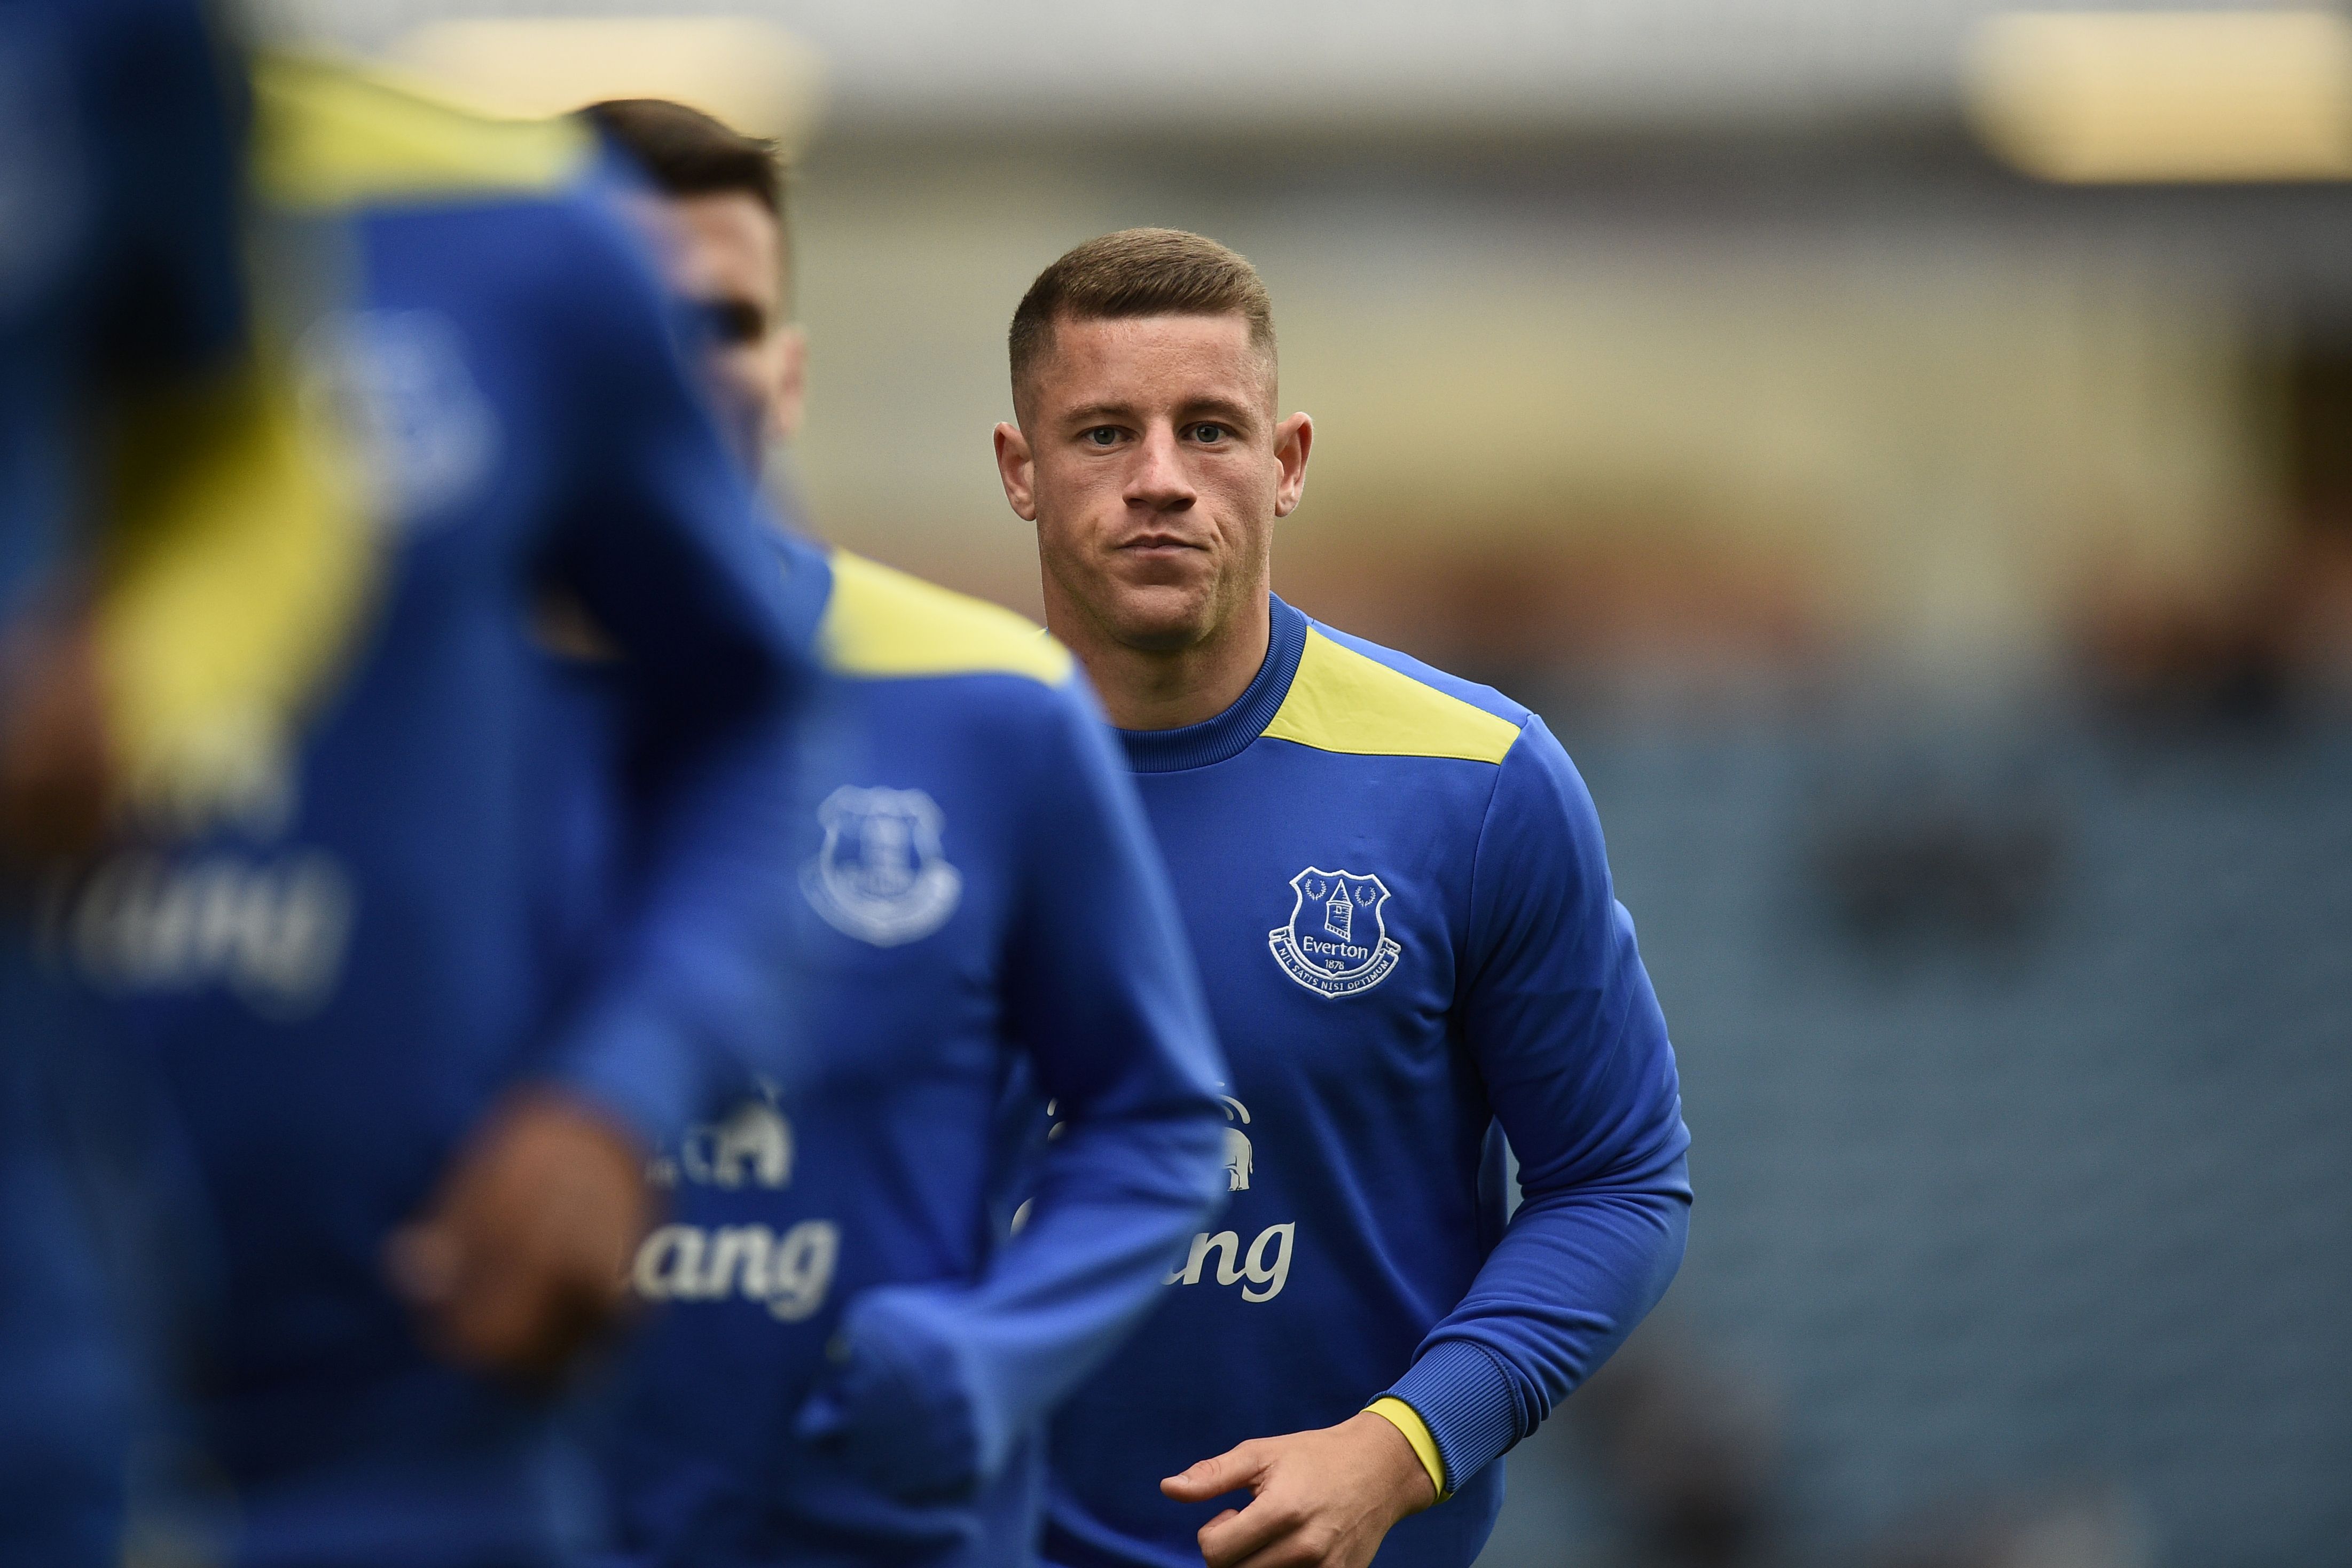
(1223, 409)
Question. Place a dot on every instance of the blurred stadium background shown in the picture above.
(1905, 448)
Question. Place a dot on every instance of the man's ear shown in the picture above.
(1018, 469)
(1293, 439)
(792, 384)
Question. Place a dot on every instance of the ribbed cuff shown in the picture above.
(1464, 1397)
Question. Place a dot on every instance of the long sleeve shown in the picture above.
(661, 542)
(1102, 997)
(1560, 1019)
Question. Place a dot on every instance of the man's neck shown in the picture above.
(1153, 690)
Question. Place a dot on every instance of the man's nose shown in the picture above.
(1158, 481)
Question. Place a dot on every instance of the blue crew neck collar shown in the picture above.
(1227, 734)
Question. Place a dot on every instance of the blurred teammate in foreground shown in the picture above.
(417, 1125)
(118, 171)
(1395, 884)
(852, 1365)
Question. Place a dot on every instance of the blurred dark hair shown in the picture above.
(1138, 272)
(689, 153)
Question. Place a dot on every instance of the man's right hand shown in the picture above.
(56, 766)
(522, 1259)
(1324, 1498)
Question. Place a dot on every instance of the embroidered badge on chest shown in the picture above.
(1336, 942)
(880, 876)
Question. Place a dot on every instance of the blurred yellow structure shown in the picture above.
(2167, 95)
(746, 71)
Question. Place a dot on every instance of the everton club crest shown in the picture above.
(1335, 942)
(880, 876)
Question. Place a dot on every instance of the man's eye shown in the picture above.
(1208, 434)
(1103, 435)
(734, 321)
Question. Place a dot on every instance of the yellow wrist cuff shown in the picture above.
(1407, 1420)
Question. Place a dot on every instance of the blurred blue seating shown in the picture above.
(1996, 1211)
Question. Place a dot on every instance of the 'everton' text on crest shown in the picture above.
(1336, 942)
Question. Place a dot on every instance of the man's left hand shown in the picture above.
(1319, 1499)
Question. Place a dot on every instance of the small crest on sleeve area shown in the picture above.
(1336, 942)
(880, 875)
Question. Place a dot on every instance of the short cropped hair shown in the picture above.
(1138, 272)
(689, 153)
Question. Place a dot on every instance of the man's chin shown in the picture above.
(1165, 620)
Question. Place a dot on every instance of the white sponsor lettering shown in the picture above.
(273, 931)
(1225, 1243)
(1271, 1277)
(789, 1273)
(1265, 1277)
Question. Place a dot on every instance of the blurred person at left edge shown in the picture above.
(417, 1120)
(120, 130)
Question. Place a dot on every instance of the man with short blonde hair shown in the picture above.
(1395, 883)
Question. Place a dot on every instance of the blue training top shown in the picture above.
(340, 976)
(849, 1364)
(1395, 883)
(120, 143)
(118, 170)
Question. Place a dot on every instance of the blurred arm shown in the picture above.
(519, 1260)
(1101, 992)
(661, 542)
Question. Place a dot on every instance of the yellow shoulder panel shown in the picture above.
(326, 136)
(236, 578)
(1342, 701)
(880, 623)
